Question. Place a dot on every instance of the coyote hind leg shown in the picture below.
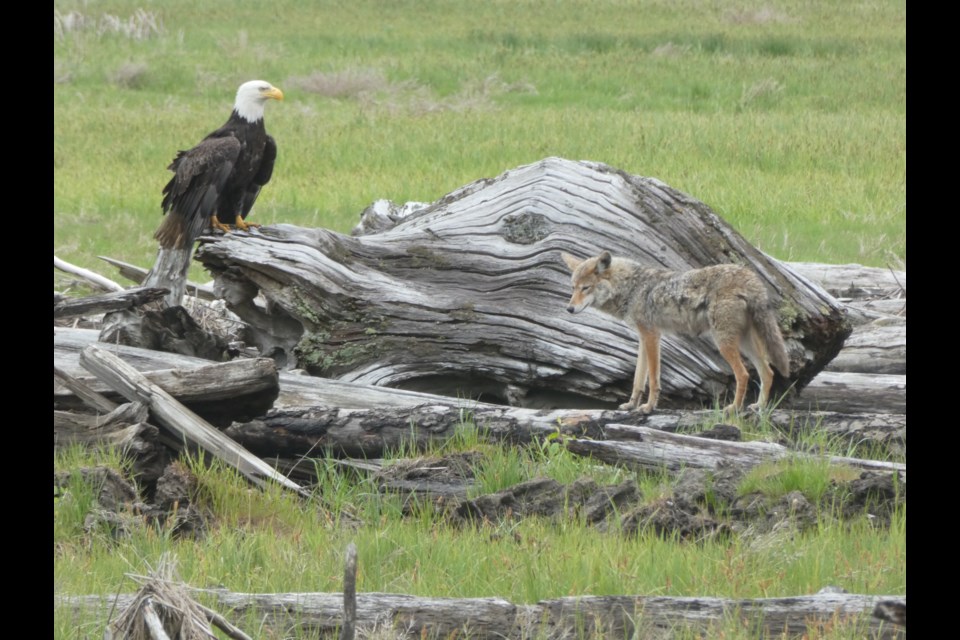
(730, 350)
(756, 351)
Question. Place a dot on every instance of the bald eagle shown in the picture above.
(217, 182)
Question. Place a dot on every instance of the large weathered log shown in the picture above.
(177, 418)
(583, 616)
(373, 432)
(468, 295)
(339, 423)
(652, 450)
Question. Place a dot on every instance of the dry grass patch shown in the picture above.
(129, 75)
(763, 15)
(372, 89)
(141, 25)
(763, 92)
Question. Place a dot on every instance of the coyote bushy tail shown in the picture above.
(766, 325)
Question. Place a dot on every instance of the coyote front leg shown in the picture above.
(648, 371)
(639, 381)
(650, 339)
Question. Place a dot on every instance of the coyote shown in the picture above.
(727, 300)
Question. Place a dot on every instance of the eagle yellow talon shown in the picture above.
(216, 224)
(243, 225)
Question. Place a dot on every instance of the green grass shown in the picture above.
(787, 118)
(813, 478)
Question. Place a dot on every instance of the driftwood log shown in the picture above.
(220, 393)
(495, 618)
(651, 450)
(467, 295)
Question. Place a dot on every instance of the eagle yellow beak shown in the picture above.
(274, 93)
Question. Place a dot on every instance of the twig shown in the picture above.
(893, 273)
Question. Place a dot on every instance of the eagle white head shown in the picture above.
(252, 96)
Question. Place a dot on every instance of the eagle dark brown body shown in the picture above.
(217, 182)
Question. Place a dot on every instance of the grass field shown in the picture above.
(788, 118)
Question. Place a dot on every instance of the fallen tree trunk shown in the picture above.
(371, 432)
(584, 616)
(652, 450)
(374, 432)
(314, 414)
(468, 294)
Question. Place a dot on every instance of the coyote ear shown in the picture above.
(603, 261)
(572, 262)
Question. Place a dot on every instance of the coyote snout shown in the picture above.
(728, 301)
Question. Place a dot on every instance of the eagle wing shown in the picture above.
(261, 178)
(201, 175)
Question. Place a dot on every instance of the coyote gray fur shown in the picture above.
(727, 300)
